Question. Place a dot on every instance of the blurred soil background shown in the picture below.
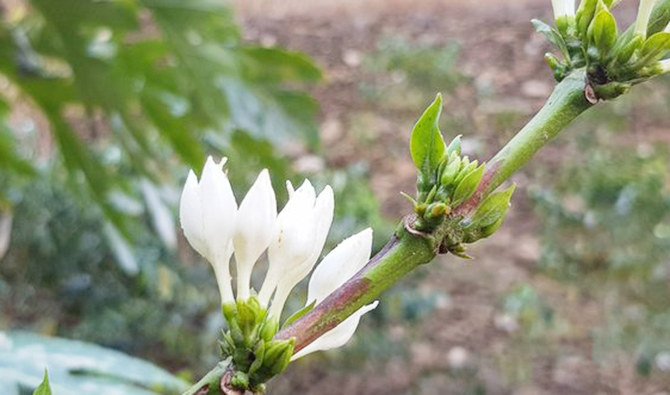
(497, 324)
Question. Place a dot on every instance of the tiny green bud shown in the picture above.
(229, 311)
(468, 186)
(455, 146)
(655, 47)
(436, 210)
(494, 207)
(259, 355)
(603, 31)
(240, 381)
(451, 171)
(627, 50)
(585, 13)
(269, 330)
(278, 356)
(466, 168)
(459, 251)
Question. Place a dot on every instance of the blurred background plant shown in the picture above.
(104, 107)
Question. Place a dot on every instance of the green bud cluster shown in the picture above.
(249, 343)
(614, 60)
(454, 181)
(447, 179)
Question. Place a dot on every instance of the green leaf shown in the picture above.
(585, 13)
(286, 67)
(451, 171)
(494, 207)
(603, 31)
(660, 17)
(455, 146)
(627, 50)
(44, 388)
(468, 186)
(78, 368)
(655, 47)
(552, 35)
(427, 144)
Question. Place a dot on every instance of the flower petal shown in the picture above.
(218, 210)
(337, 336)
(340, 265)
(294, 239)
(190, 214)
(322, 213)
(255, 228)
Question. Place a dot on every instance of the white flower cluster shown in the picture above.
(216, 228)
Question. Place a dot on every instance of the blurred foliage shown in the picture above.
(76, 367)
(59, 255)
(527, 309)
(418, 66)
(606, 229)
(157, 78)
(134, 92)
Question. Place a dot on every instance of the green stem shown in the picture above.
(409, 249)
(210, 384)
(566, 102)
(404, 252)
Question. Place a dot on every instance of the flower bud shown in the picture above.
(207, 213)
(563, 8)
(468, 186)
(278, 356)
(335, 269)
(256, 227)
(451, 171)
(455, 146)
(494, 207)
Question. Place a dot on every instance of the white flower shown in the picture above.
(335, 269)
(563, 8)
(643, 14)
(302, 228)
(207, 213)
(254, 231)
(294, 239)
(667, 28)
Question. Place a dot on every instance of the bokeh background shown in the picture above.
(105, 105)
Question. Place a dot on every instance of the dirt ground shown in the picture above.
(468, 340)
